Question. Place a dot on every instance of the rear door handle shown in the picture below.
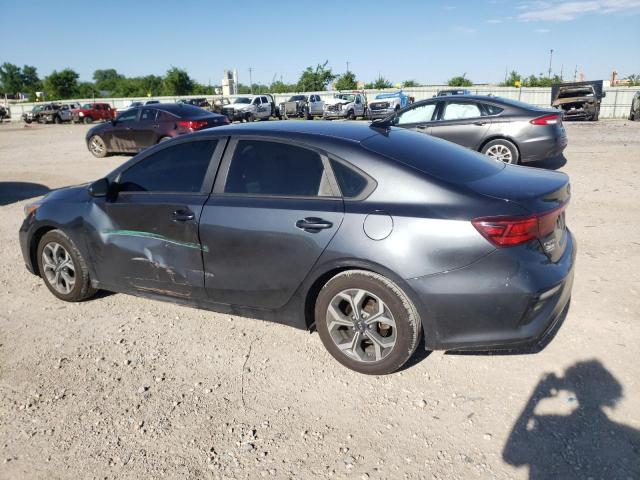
(182, 215)
(313, 223)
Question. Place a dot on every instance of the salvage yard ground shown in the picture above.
(124, 387)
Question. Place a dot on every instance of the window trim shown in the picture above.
(223, 171)
(209, 176)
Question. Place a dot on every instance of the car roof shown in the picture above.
(347, 131)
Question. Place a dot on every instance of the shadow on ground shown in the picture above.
(553, 163)
(11, 192)
(581, 443)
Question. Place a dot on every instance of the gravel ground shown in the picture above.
(124, 387)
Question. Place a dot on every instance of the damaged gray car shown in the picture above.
(578, 100)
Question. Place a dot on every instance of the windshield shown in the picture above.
(242, 100)
(37, 108)
(350, 97)
(296, 98)
(575, 92)
(87, 106)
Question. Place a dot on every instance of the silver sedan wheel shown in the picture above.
(500, 152)
(97, 146)
(361, 325)
(58, 267)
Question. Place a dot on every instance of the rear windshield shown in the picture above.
(437, 158)
(577, 92)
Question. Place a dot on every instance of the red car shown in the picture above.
(90, 112)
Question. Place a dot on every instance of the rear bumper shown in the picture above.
(543, 147)
(510, 299)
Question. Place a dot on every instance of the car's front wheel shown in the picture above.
(62, 267)
(502, 150)
(88, 119)
(367, 322)
(97, 146)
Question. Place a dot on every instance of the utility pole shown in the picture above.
(348, 66)
(561, 71)
(251, 79)
(575, 73)
(550, 59)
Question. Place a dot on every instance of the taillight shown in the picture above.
(193, 124)
(512, 231)
(552, 119)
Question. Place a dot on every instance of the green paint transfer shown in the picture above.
(155, 236)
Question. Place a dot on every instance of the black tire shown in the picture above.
(249, 117)
(490, 147)
(351, 115)
(88, 119)
(82, 288)
(28, 121)
(307, 115)
(57, 120)
(407, 321)
(97, 146)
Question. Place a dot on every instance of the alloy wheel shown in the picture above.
(58, 267)
(361, 325)
(500, 152)
(97, 145)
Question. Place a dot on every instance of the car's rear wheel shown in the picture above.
(502, 150)
(62, 267)
(97, 146)
(367, 322)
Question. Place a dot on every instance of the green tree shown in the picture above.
(315, 79)
(379, 84)
(410, 83)
(634, 79)
(61, 85)
(107, 80)
(512, 79)
(30, 80)
(459, 81)
(10, 78)
(177, 82)
(346, 81)
(87, 90)
(280, 87)
(541, 81)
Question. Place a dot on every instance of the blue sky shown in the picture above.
(427, 41)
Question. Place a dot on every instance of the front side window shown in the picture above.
(264, 100)
(460, 111)
(420, 114)
(271, 168)
(127, 116)
(179, 168)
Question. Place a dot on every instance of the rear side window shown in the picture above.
(351, 183)
(461, 110)
(493, 109)
(179, 168)
(271, 168)
(148, 115)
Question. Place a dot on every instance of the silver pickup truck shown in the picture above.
(303, 106)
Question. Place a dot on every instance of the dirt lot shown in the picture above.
(123, 387)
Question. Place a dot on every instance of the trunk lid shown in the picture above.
(543, 193)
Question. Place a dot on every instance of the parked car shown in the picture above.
(453, 91)
(634, 113)
(507, 130)
(219, 104)
(347, 105)
(196, 102)
(578, 100)
(303, 106)
(248, 108)
(56, 113)
(90, 112)
(386, 103)
(128, 106)
(140, 127)
(376, 239)
(33, 114)
(5, 112)
(66, 111)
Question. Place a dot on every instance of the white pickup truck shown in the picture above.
(347, 105)
(303, 106)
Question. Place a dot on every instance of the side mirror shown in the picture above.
(604, 94)
(100, 188)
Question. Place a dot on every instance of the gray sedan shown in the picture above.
(507, 130)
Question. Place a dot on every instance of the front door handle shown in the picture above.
(422, 127)
(182, 215)
(313, 223)
(480, 123)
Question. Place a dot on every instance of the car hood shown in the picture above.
(100, 128)
(238, 106)
(73, 193)
(337, 101)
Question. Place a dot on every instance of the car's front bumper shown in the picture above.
(25, 235)
(335, 113)
(511, 298)
(380, 113)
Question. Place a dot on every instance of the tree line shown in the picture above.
(65, 84)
